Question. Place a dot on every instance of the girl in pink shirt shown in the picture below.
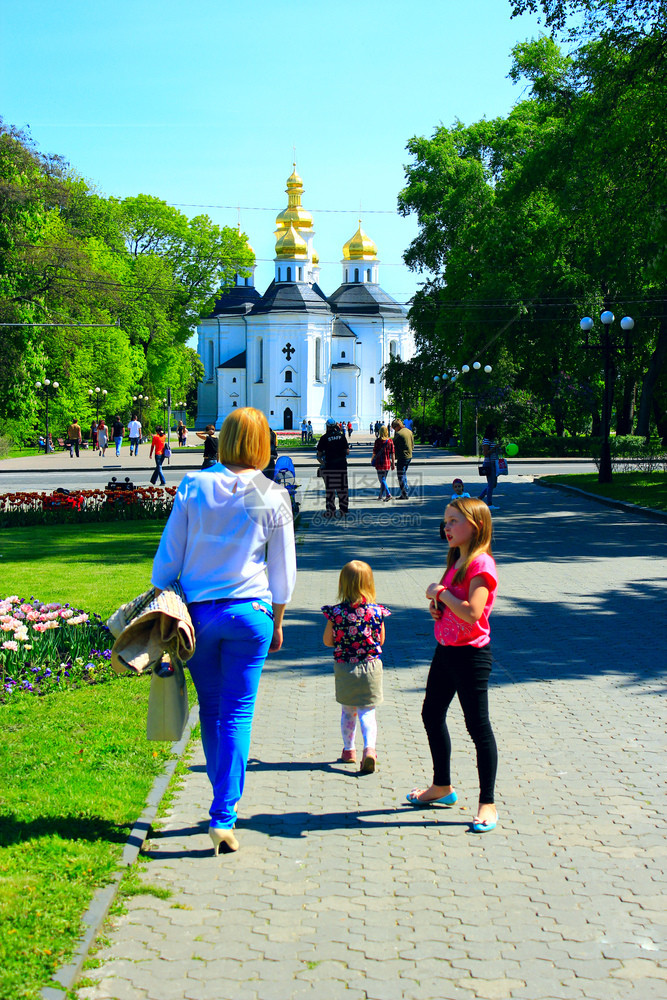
(460, 605)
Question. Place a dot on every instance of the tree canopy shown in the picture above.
(98, 291)
(556, 211)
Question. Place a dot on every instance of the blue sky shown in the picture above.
(201, 103)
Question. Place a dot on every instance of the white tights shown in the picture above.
(348, 726)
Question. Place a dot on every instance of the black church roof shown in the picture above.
(236, 362)
(236, 301)
(292, 296)
(355, 298)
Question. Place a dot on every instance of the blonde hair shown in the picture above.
(478, 515)
(384, 432)
(244, 439)
(356, 582)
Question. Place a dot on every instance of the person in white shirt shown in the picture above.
(229, 541)
(134, 432)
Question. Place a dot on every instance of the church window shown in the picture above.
(234, 403)
(372, 381)
(368, 274)
(247, 281)
(393, 346)
(210, 360)
(356, 274)
(318, 359)
(342, 354)
(288, 376)
(342, 402)
(260, 360)
(300, 274)
(289, 273)
(234, 379)
(278, 274)
(347, 274)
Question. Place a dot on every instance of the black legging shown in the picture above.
(462, 670)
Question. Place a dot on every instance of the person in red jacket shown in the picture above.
(158, 444)
(383, 460)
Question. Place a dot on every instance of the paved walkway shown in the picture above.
(339, 888)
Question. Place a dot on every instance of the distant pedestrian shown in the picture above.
(210, 445)
(304, 431)
(460, 605)
(310, 432)
(158, 445)
(74, 437)
(489, 460)
(403, 445)
(93, 435)
(370, 427)
(180, 430)
(102, 437)
(349, 428)
(383, 460)
(117, 432)
(355, 629)
(332, 451)
(134, 431)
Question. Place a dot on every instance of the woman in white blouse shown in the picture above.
(230, 542)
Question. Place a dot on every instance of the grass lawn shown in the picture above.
(96, 567)
(646, 489)
(77, 765)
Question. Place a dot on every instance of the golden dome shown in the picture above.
(360, 247)
(290, 244)
(316, 257)
(294, 215)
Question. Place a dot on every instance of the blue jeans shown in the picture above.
(402, 473)
(232, 640)
(491, 482)
(118, 442)
(159, 459)
(382, 476)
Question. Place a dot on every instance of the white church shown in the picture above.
(294, 352)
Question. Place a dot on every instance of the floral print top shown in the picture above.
(356, 630)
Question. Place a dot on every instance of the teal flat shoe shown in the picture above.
(478, 827)
(444, 800)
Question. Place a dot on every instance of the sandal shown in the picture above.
(444, 800)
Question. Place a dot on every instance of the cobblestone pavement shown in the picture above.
(342, 890)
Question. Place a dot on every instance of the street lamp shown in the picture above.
(45, 387)
(97, 392)
(142, 401)
(465, 369)
(606, 346)
(164, 414)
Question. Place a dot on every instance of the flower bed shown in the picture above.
(50, 647)
(140, 503)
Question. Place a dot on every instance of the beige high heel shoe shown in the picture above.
(222, 835)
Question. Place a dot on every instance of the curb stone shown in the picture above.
(624, 505)
(65, 977)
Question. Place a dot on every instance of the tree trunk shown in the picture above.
(655, 365)
(625, 410)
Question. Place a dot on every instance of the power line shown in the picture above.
(260, 208)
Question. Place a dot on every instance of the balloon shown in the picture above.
(512, 450)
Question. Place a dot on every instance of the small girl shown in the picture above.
(355, 629)
(460, 605)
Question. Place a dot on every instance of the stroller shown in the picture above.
(284, 473)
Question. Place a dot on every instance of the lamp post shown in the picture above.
(476, 367)
(607, 347)
(141, 401)
(45, 387)
(164, 414)
(97, 392)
